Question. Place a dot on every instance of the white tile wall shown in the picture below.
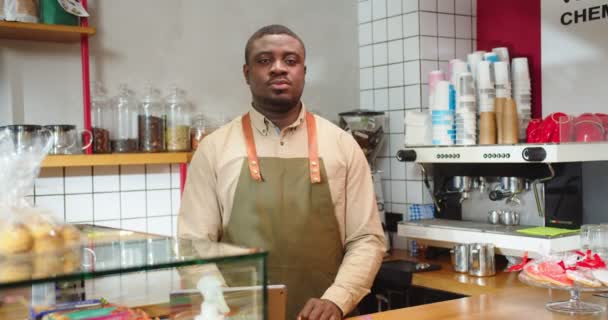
(446, 6)
(445, 25)
(132, 177)
(159, 202)
(432, 33)
(395, 75)
(78, 207)
(365, 58)
(160, 225)
(78, 180)
(393, 7)
(54, 204)
(380, 77)
(133, 204)
(139, 225)
(106, 179)
(378, 9)
(49, 181)
(395, 27)
(428, 5)
(409, 6)
(428, 48)
(134, 197)
(158, 176)
(396, 98)
(106, 206)
(381, 99)
(366, 99)
(175, 177)
(428, 23)
(412, 97)
(379, 30)
(380, 53)
(410, 24)
(411, 48)
(365, 11)
(395, 51)
(365, 33)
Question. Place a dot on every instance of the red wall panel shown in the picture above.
(514, 24)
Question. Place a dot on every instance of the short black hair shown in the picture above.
(270, 30)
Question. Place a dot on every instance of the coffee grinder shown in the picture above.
(367, 127)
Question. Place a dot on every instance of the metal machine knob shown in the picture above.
(406, 155)
(534, 154)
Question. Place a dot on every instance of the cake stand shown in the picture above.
(573, 306)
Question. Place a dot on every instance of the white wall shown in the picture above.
(197, 44)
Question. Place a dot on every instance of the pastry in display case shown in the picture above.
(119, 274)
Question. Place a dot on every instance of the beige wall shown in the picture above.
(196, 44)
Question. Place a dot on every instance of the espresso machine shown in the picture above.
(502, 194)
(548, 195)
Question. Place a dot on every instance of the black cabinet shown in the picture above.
(420, 295)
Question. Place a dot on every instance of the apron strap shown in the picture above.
(313, 149)
(252, 155)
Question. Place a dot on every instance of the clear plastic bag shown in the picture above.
(21, 10)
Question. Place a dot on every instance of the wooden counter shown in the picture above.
(500, 297)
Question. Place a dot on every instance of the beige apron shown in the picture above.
(284, 206)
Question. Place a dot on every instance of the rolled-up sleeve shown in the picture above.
(364, 237)
(200, 212)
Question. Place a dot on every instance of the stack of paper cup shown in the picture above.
(502, 79)
(465, 88)
(466, 128)
(442, 117)
(457, 67)
(434, 77)
(522, 93)
(487, 96)
(502, 53)
(466, 111)
(473, 60)
(503, 92)
(491, 56)
(418, 128)
(485, 86)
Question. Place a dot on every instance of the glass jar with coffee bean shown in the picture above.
(101, 118)
(123, 135)
(178, 121)
(151, 121)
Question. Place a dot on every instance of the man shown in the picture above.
(289, 182)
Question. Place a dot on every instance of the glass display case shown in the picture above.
(151, 276)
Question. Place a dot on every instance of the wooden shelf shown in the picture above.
(42, 32)
(82, 160)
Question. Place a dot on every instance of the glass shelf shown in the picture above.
(109, 251)
(149, 272)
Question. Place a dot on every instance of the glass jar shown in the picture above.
(151, 122)
(178, 121)
(101, 119)
(123, 136)
(198, 130)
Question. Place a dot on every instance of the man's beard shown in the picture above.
(278, 104)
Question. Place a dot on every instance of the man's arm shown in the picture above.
(199, 213)
(365, 243)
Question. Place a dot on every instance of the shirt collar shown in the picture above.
(263, 125)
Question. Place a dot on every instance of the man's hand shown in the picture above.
(320, 309)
